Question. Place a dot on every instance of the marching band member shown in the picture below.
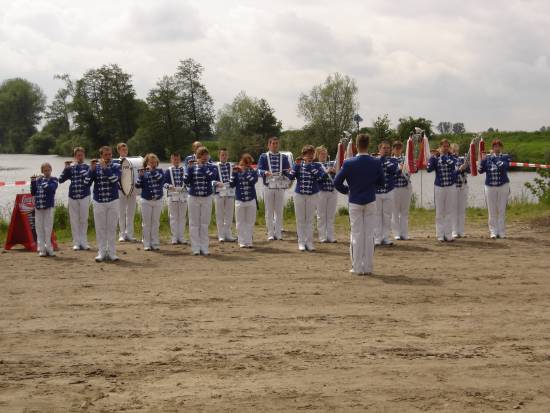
(445, 169)
(361, 174)
(308, 175)
(402, 193)
(177, 198)
(43, 189)
(497, 188)
(194, 146)
(461, 192)
(199, 177)
(127, 203)
(151, 183)
(328, 198)
(274, 168)
(384, 195)
(79, 198)
(105, 175)
(244, 179)
(224, 202)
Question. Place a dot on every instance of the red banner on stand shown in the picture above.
(21, 229)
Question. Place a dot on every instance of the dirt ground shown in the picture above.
(462, 327)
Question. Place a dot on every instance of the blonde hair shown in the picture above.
(78, 149)
(149, 157)
(320, 149)
(455, 147)
(196, 145)
(121, 145)
(45, 164)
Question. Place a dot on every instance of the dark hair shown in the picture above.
(384, 142)
(362, 141)
(308, 149)
(222, 149)
(176, 154)
(497, 142)
(272, 138)
(246, 159)
(397, 144)
(104, 148)
(201, 151)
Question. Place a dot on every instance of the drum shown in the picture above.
(225, 191)
(129, 173)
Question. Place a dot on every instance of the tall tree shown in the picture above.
(105, 105)
(329, 108)
(59, 113)
(458, 128)
(21, 107)
(407, 125)
(245, 124)
(196, 103)
(444, 127)
(380, 130)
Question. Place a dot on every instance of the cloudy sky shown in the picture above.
(485, 63)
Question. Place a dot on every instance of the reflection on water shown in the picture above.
(21, 167)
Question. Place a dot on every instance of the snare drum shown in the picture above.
(129, 174)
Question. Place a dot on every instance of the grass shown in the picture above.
(518, 211)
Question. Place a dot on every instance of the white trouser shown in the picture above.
(274, 206)
(150, 221)
(105, 218)
(363, 221)
(224, 215)
(304, 207)
(384, 210)
(126, 214)
(497, 197)
(460, 213)
(43, 222)
(178, 216)
(200, 211)
(400, 217)
(445, 207)
(79, 209)
(326, 212)
(245, 214)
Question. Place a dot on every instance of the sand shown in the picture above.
(459, 327)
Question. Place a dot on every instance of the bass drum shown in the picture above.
(129, 174)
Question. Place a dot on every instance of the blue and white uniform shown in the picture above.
(461, 197)
(105, 203)
(308, 179)
(326, 205)
(497, 190)
(445, 194)
(402, 193)
(177, 202)
(274, 196)
(384, 200)
(127, 212)
(79, 203)
(245, 205)
(43, 189)
(151, 184)
(224, 204)
(361, 174)
(199, 180)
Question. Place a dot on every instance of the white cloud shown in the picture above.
(482, 63)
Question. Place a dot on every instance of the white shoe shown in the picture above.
(310, 247)
(100, 258)
(156, 248)
(493, 236)
(221, 239)
(271, 238)
(230, 239)
(242, 245)
(387, 242)
(146, 248)
(205, 253)
(114, 258)
(174, 242)
(441, 239)
(50, 253)
(42, 254)
(121, 239)
(323, 241)
(76, 248)
(301, 247)
(196, 253)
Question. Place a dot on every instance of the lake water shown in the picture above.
(21, 167)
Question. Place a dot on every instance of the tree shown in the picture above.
(59, 113)
(195, 102)
(458, 128)
(407, 125)
(105, 106)
(380, 130)
(329, 108)
(444, 127)
(21, 107)
(244, 125)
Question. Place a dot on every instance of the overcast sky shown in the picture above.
(484, 62)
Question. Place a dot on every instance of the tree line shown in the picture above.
(101, 108)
